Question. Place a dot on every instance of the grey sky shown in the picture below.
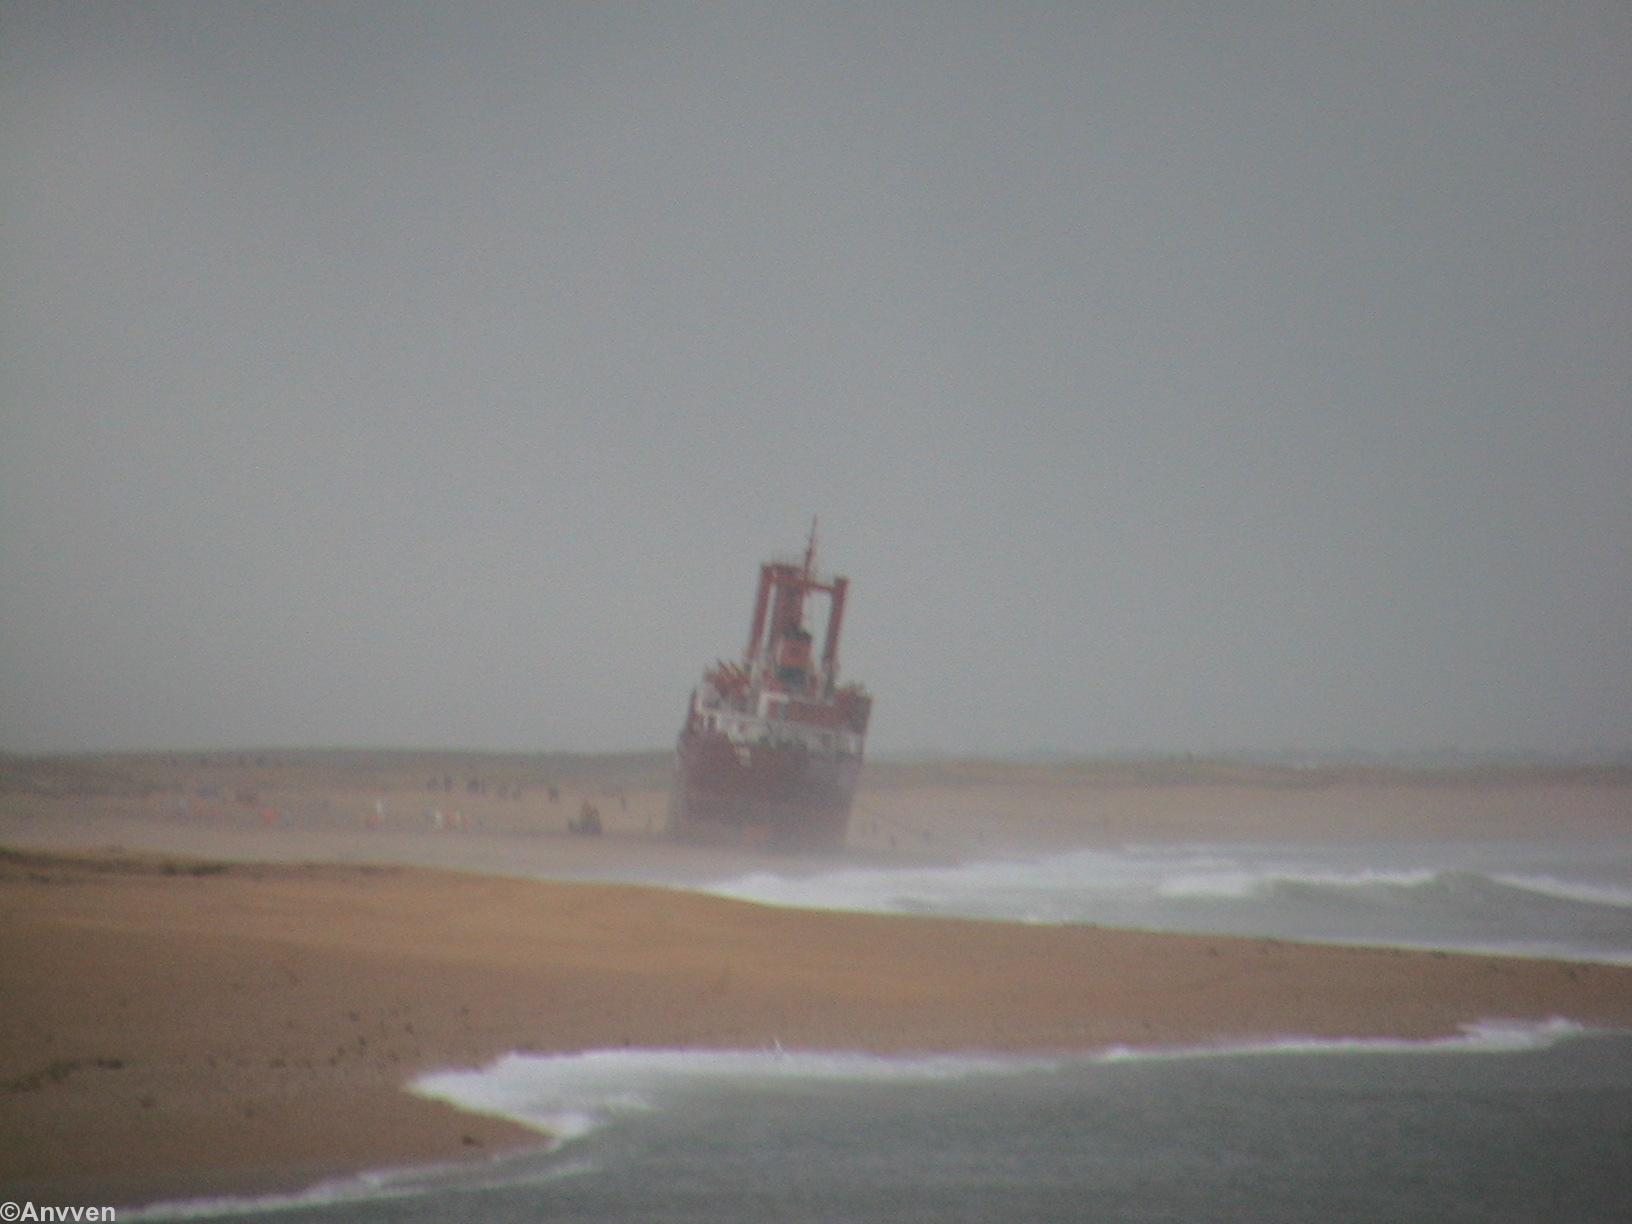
(1167, 377)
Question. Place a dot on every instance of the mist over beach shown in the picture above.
(1221, 414)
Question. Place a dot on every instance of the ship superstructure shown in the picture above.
(771, 749)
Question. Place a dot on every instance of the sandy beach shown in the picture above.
(178, 1025)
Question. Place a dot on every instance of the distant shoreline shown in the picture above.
(622, 762)
(396, 806)
(469, 810)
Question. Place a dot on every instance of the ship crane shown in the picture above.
(778, 650)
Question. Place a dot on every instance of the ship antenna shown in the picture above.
(810, 549)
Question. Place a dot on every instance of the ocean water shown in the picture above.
(1505, 1122)
(1502, 1124)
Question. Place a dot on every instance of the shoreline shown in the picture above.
(186, 1028)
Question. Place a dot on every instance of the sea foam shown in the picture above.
(372, 1186)
(1482, 1037)
(569, 1096)
(574, 1095)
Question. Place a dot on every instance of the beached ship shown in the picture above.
(771, 749)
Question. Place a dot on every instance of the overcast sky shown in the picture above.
(1167, 377)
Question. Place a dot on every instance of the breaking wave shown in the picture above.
(346, 1194)
(569, 1096)
(575, 1095)
(1485, 899)
(1484, 1037)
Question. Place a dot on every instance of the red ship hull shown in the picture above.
(774, 798)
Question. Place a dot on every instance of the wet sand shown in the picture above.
(184, 1028)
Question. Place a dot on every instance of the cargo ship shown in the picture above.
(771, 749)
